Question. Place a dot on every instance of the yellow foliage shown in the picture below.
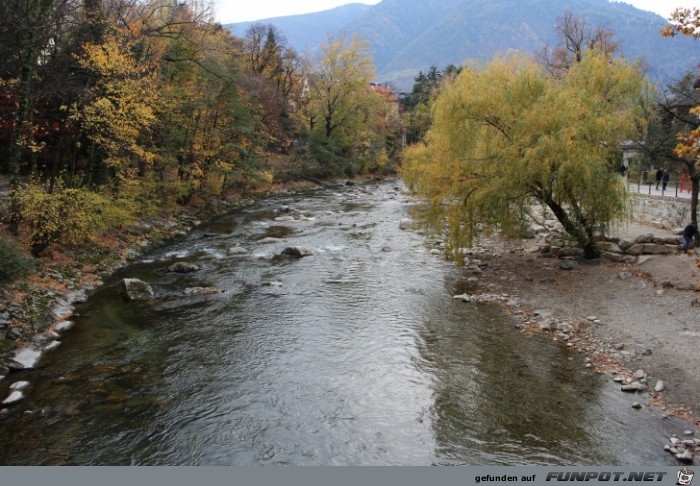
(508, 136)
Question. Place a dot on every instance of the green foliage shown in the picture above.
(13, 263)
(510, 137)
(68, 215)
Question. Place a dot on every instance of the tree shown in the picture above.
(687, 150)
(576, 38)
(341, 108)
(510, 136)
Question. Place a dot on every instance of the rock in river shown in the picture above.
(135, 289)
(183, 267)
(297, 251)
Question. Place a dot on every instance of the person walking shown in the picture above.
(665, 176)
(659, 173)
(688, 234)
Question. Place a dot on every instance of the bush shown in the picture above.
(69, 215)
(13, 263)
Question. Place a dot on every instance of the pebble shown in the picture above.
(659, 387)
(14, 397)
(636, 405)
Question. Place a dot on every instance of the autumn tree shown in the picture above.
(510, 137)
(575, 38)
(686, 22)
(341, 111)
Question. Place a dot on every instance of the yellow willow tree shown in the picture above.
(509, 137)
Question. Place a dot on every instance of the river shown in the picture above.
(356, 355)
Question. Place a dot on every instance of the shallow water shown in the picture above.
(357, 355)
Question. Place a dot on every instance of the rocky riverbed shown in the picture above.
(632, 313)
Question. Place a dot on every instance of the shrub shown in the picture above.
(13, 263)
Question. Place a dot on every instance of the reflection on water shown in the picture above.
(355, 355)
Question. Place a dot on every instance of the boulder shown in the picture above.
(135, 289)
(608, 246)
(405, 224)
(297, 251)
(625, 244)
(652, 249)
(568, 264)
(183, 267)
(647, 238)
(615, 257)
(636, 249)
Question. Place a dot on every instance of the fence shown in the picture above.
(677, 185)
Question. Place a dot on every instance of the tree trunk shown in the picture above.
(583, 236)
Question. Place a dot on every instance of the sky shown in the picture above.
(231, 11)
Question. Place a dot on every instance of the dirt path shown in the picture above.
(646, 321)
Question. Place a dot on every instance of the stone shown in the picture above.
(636, 405)
(237, 250)
(52, 345)
(685, 456)
(272, 283)
(13, 398)
(19, 385)
(190, 291)
(609, 246)
(645, 238)
(136, 289)
(568, 264)
(615, 257)
(405, 224)
(64, 326)
(183, 267)
(636, 249)
(624, 275)
(688, 432)
(25, 358)
(268, 240)
(297, 251)
(629, 259)
(639, 374)
(633, 387)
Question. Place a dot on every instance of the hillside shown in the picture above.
(411, 35)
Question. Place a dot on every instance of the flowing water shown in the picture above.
(355, 355)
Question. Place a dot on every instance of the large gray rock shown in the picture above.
(647, 238)
(652, 249)
(636, 249)
(183, 267)
(297, 251)
(135, 289)
(568, 264)
(609, 246)
(615, 257)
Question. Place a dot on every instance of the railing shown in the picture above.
(676, 186)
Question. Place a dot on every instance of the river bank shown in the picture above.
(636, 322)
(35, 311)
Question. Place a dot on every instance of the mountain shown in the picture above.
(407, 36)
(308, 31)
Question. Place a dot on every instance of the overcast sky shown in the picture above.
(230, 11)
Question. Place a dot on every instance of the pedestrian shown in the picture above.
(664, 180)
(688, 234)
(622, 169)
(659, 173)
